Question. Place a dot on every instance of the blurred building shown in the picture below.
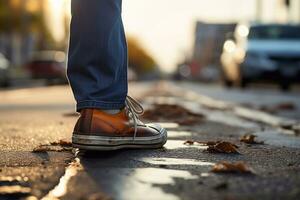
(208, 46)
(282, 11)
(209, 38)
(294, 11)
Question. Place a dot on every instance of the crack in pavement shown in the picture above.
(62, 187)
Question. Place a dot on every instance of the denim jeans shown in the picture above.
(97, 59)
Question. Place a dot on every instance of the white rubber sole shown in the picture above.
(103, 143)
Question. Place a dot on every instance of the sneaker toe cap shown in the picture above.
(157, 127)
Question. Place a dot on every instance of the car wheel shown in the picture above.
(285, 86)
(64, 81)
(227, 83)
(243, 83)
(5, 84)
(50, 82)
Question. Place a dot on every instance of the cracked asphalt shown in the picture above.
(39, 116)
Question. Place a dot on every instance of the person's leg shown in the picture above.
(97, 71)
(97, 61)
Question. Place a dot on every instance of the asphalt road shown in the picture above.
(266, 97)
(31, 117)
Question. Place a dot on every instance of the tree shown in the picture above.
(139, 59)
(16, 18)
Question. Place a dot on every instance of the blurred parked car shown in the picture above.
(4, 71)
(262, 52)
(48, 65)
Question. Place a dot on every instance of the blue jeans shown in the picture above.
(97, 59)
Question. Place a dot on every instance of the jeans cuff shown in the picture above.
(99, 105)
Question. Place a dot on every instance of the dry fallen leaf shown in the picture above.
(216, 146)
(174, 113)
(221, 186)
(268, 109)
(41, 149)
(250, 139)
(71, 114)
(209, 143)
(61, 145)
(188, 121)
(286, 106)
(223, 147)
(98, 196)
(189, 142)
(296, 129)
(227, 167)
(273, 109)
(45, 148)
(64, 143)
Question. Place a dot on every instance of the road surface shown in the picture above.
(45, 116)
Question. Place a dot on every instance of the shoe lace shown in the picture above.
(134, 109)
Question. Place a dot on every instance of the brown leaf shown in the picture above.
(250, 139)
(271, 110)
(98, 196)
(227, 167)
(221, 186)
(188, 121)
(64, 143)
(174, 113)
(71, 114)
(286, 106)
(189, 142)
(45, 148)
(209, 143)
(223, 147)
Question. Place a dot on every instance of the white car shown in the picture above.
(262, 52)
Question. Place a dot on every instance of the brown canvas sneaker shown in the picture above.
(98, 130)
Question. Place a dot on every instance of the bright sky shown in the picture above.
(55, 11)
(166, 27)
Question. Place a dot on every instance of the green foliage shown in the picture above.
(4, 16)
(19, 19)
